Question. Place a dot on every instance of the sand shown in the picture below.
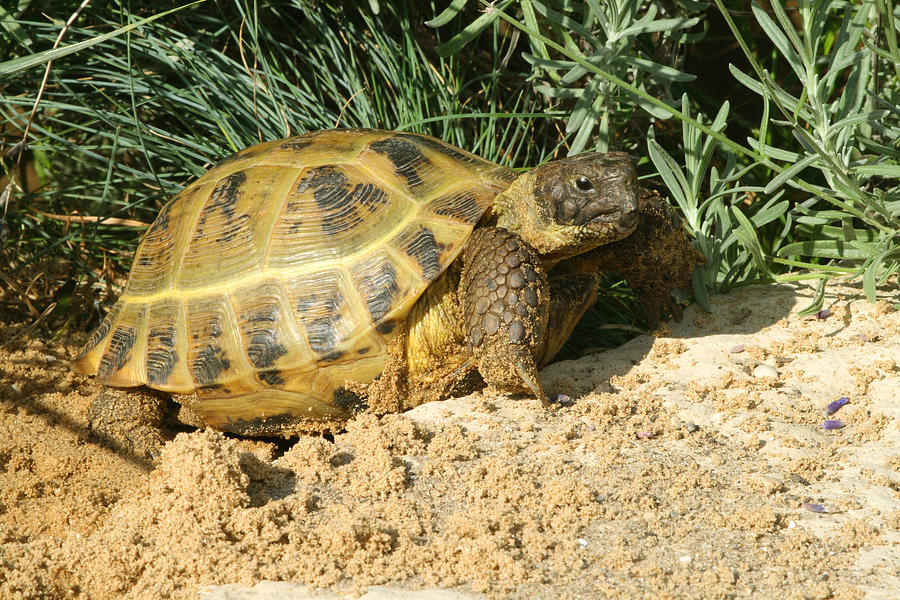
(688, 464)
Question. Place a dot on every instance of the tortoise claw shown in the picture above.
(529, 380)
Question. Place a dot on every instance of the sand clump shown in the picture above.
(675, 473)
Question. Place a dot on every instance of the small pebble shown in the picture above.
(823, 314)
(835, 424)
(738, 349)
(691, 427)
(50, 358)
(582, 542)
(644, 435)
(860, 336)
(765, 371)
(799, 479)
(15, 387)
(812, 507)
(562, 399)
(685, 560)
(836, 405)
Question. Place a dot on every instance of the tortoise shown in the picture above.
(302, 280)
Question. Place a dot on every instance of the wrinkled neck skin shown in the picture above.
(515, 210)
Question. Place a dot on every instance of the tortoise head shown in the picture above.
(568, 206)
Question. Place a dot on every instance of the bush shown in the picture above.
(798, 183)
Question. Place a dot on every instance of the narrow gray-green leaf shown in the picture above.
(584, 133)
(772, 151)
(659, 25)
(674, 179)
(16, 65)
(11, 25)
(837, 249)
(888, 171)
(564, 93)
(472, 30)
(747, 81)
(871, 276)
(658, 70)
(819, 299)
(770, 212)
(790, 172)
(546, 62)
(746, 233)
(781, 42)
(538, 45)
(447, 14)
(856, 119)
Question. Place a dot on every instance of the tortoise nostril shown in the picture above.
(627, 221)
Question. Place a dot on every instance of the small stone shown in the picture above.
(685, 560)
(644, 435)
(823, 314)
(691, 427)
(561, 399)
(582, 542)
(764, 370)
(812, 507)
(830, 425)
(861, 337)
(737, 349)
(799, 479)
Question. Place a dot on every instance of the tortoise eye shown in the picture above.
(583, 184)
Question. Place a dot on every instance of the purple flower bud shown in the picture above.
(836, 405)
(829, 425)
(811, 507)
(823, 314)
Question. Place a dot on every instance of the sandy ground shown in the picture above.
(690, 464)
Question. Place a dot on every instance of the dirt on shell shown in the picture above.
(688, 464)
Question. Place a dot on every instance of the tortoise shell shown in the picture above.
(283, 271)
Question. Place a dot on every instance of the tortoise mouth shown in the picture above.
(623, 220)
(627, 222)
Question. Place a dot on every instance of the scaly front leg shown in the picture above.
(504, 296)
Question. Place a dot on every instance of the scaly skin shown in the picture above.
(505, 298)
(484, 321)
(463, 331)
